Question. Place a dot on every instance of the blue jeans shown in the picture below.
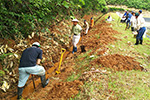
(141, 33)
(25, 72)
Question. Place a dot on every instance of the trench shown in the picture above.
(30, 88)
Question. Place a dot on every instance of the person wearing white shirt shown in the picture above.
(133, 22)
(140, 29)
(140, 13)
(76, 30)
(86, 26)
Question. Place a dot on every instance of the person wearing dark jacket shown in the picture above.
(29, 64)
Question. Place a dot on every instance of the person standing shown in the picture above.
(86, 26)
(76, 31)
(140, 13)
(133, 22)
(92, 22)
(140, 29)
(30, 64)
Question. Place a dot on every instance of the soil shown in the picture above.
(118, 62)
(64, 90)
(99, 36)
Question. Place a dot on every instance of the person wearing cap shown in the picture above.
(92, 22)
(133, 21)
(140, 29)
(76, 30)
(86, 26)
(140, 13)
(30, 64)
(128, 23)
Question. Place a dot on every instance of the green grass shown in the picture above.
(121, 85)
(126, 45)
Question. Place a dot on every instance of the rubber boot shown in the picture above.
(141, 41)
(132, 28)
(20, 91)
(137, 42)
(44, 81)
(75, 49)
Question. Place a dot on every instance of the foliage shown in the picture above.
(22, 17)
(115, 9)
(139, 4)
(2, 73)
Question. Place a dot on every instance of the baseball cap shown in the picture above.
(36, 44)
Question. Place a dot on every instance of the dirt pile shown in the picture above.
(101, 34)
(64, 90)
(119, 62)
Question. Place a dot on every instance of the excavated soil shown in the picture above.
(97, 38)
(100, 35)
(118, 62)
(64, 90)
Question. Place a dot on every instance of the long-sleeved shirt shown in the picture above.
(133, 21)
(86, 25)
(76, 30)
(129, 16)
(140, 22)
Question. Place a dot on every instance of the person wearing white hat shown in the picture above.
(29, 64)
(76, 30)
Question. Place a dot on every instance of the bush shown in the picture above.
(115, 9)
(22, 17)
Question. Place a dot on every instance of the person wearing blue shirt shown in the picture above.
(29, 64)
(128, 23)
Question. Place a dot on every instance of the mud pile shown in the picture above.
(64, 90)
(119, 62)
(101, 34)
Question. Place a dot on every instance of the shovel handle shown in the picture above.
(33, 81)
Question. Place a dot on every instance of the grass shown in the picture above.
(126, 45)
(121, 85)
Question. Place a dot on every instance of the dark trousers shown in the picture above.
(132, 29)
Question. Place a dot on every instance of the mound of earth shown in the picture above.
(101, 34)
(64, 90)
(119, 62)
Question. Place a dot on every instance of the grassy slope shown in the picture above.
(133, 85)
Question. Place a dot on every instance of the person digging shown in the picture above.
(30, 64)
(140, 29)
(76, 30)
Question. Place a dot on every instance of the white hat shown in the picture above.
(75, 20)
(36, 43)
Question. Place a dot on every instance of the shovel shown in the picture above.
(62, 53)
